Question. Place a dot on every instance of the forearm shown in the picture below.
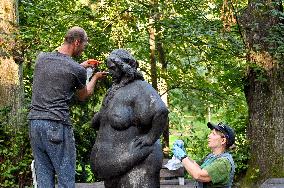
(91, 85)
(88, 90)
(195, 171)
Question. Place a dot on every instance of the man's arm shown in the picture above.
(88, 90)
(190, 165)
(195, 171)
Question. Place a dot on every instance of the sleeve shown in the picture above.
(219, 171)
(81, 78)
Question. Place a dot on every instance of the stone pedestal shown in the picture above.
(273, 183)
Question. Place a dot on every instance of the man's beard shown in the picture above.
(77, 52)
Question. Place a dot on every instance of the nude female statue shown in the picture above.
(127, 151)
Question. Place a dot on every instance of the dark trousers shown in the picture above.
(53, 147)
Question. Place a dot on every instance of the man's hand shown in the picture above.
(99, 75)
(88, 63)
(178, 152)
(88, 90)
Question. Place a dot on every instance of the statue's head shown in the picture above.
(122, 64)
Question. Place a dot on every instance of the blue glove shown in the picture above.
(180, 144)
(179, 153)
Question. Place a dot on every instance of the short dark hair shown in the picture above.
(75, 33)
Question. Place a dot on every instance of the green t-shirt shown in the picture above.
(219, 171)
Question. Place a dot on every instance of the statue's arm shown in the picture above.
(96, 121)
(159, 122)
(157, 125)
(153, 114)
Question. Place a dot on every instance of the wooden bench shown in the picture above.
(171, 177)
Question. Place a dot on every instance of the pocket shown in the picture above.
(71, 133)
(55, 133)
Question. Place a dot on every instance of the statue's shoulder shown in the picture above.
(145, 90)
(142, 85)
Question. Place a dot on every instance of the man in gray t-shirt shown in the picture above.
(57, 78)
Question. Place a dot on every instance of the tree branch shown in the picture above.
(238, 23)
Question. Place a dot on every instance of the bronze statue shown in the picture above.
(127, 151)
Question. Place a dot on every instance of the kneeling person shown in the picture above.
(218, 168)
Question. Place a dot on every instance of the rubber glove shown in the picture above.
(179, 153)
(180, 144)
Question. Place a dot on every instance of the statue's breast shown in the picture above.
(120, 116)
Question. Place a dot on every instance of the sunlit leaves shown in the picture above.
(205, 65)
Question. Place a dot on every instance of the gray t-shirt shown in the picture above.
(55, 80)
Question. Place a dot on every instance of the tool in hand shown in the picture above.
(93, 62)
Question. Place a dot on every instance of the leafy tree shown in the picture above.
(262, 28)
(198, 52)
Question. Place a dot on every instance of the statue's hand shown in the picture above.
(142, 141)
(139, 149)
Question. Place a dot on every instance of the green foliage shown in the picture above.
(15, 152)
(276, 44)
(204, 66)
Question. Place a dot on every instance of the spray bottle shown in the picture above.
(90, 70)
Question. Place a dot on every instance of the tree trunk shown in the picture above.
(163, 88)
(152, 53)
(152, 33)
(9, 70)
(264, 92)
(160, 86)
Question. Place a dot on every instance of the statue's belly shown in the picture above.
(105, 159)
(111, 145)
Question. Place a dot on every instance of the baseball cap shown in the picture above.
(226, 130)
